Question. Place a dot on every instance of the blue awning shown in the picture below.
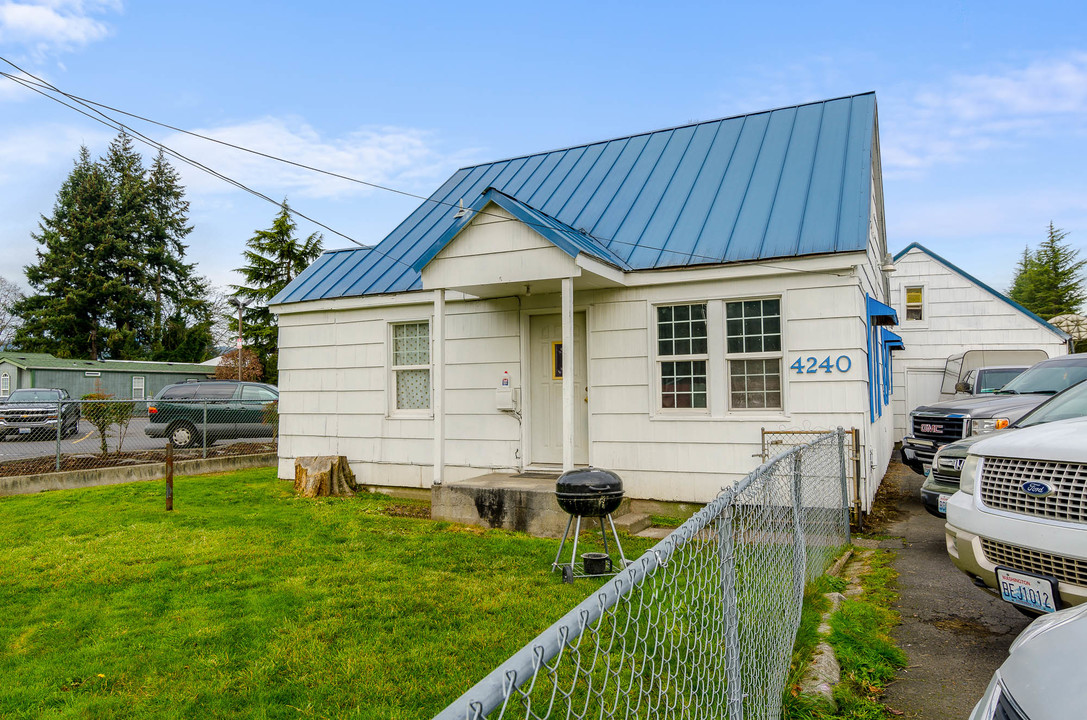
(892, 341)
(881, 314)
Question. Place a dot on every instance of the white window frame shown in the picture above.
(659, 360)
(906, 305)
(5, 385)
(142, 387)
(395, 369)
(779, 355)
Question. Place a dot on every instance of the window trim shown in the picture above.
(778, 355)
(5, 385)
(659, 360)
(393, 369)
(143, 387)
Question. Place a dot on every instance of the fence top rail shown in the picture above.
(496, 688)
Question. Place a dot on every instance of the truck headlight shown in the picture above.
(988, 425)
(969, 472)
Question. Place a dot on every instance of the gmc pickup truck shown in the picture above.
(933, 426)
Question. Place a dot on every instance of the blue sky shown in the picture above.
(981, 104)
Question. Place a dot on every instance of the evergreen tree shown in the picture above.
(274, 258)
(110, 278)
(70, 276)
(1049, 282)
(182, 315)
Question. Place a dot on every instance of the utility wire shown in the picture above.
(38, 84)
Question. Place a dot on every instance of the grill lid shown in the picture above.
(589, 482)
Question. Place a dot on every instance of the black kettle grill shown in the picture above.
(592, 493)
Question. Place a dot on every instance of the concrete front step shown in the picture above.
(633, 523)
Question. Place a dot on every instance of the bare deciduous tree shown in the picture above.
(9, 295)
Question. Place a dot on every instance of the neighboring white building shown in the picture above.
(943, 311)
(712, 279)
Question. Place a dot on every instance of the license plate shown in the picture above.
(927, 469)
(926, 427)
(941, 504)
(24, 431)
(1026, 590)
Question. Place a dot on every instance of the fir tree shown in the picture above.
(111, 277)
(274, 258)
(1049, 282)
(70, 276)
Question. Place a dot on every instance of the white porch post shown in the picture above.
(568, 374)
(437, 397)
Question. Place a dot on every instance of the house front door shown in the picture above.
(545, 391)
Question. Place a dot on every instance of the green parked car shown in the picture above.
(192, 412)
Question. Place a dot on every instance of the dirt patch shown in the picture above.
(887, 508)
(420, 510)
(48, 464)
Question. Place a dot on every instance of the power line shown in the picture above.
(37, 84)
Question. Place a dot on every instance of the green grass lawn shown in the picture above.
(247, 602)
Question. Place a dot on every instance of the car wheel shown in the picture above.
(184, 435)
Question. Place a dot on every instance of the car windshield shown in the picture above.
(991, 380)
(27, 396)
(1046, 379)
(1071, 403)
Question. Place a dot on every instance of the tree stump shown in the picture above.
(324, 476)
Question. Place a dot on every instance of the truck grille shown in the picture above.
(27, 416)
(941, 428)
(1002, 480)
(1067, 570)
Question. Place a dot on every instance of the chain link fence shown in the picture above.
(702, 625)
(775, 442)
(50, 435)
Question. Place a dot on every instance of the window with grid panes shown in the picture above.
(682, 352)
(753, 352)
(411, 365)
(5, 385)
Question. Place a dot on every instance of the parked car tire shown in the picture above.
(184, 434)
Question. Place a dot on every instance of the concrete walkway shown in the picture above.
(954, 634)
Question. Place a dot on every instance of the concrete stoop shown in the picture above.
(632, 522)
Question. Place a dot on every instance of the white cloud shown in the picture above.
(950, 121)
(44, 26)
(404, 158)
(36, 149)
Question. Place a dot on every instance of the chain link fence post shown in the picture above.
(204, 430)
(845, 482)
(734, 695)
(60, 429)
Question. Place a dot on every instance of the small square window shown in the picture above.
(915, 303)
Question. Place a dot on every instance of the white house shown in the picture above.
(943, 311)
(645, 304)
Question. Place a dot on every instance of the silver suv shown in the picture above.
(1018, 524)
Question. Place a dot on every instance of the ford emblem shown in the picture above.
(1036, 488)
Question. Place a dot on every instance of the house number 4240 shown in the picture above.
(812, 365)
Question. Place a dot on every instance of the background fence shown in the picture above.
(702, 625)
(775, 442)
(105, 433)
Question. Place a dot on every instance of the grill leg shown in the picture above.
(562, 544)
(573, 553)
(622, 557)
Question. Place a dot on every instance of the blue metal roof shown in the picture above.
(996, 293)
(779, 183)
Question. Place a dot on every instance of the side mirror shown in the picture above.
(963, 387)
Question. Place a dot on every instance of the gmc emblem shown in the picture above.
(930, 428)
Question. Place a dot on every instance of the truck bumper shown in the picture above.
(1040, 545)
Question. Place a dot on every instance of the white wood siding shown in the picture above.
(959, 315)
(334, 373)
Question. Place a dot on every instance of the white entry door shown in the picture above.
(545, 391)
